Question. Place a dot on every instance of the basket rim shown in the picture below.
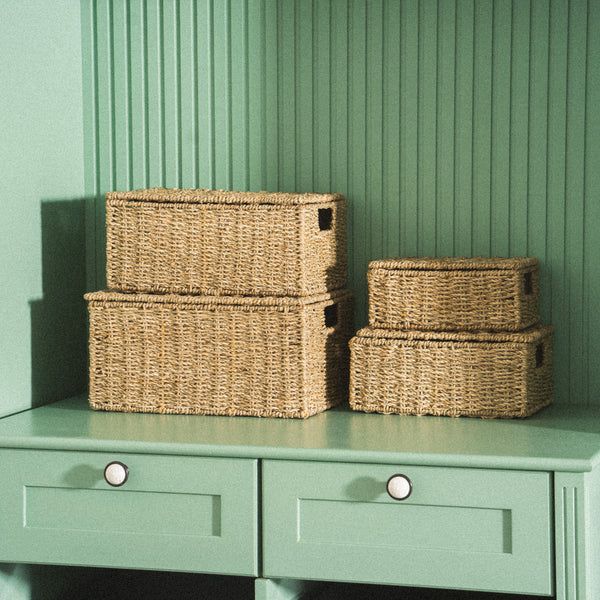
(531, 334)
(460, 263)
(103, 296)
(207, 196)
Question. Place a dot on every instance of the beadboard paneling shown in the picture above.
(454, 127)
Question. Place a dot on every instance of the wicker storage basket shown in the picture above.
(230, 243)
(272, 357)
(451, 373)
(446, 294)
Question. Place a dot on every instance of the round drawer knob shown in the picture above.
(399, 487)
(116, 473)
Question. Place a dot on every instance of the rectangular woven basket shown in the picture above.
(480, 374)
(270, 357)
(231, 243)
(446, 294)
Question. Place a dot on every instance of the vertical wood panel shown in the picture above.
(445, 119)
(286, 79)
(574, 190)
(374, 77)
(519, 139)
(323, 101)
(271, 116)
(339, 99)
(187, 84)
(255, 95)
(482, 126)
(591, 294)
(500, 157)
(240, 175)
(391, 159)
(453, 127)
(427, 128)
(557, 292)
(463, 129)
(204, 101)
(302, 88)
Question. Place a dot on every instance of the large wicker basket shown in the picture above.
(446, 294)
(451, 373)
(231, 243)
(272, 357)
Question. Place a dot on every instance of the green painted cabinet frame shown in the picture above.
(523, 491)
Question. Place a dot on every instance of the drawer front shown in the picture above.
(458, 528)
(172, 512)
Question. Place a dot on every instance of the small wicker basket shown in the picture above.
(454, 294)
(271, 357)
(225, 243)
(451, 373)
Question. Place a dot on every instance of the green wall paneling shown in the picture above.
(454, 127)
(42, 230)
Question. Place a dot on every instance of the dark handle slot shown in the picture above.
(331, 315)
(528, 283)
(539, 355)
(325, 219)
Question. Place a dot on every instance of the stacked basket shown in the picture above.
(453, 337)
(223, 303)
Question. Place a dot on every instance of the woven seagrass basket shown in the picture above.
(474, 374)
(454, 294)
(271, 357)
(225, 243)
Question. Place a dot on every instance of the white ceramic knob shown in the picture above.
(116, 473)
(399, 487)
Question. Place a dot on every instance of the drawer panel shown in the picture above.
(172, 513)
(458, 528)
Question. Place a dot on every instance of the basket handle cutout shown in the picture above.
(330, 313)
(528, 283)
(325, 219)
(539, 355)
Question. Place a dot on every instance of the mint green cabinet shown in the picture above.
(459, 528)
(494, 505)
(183, 513)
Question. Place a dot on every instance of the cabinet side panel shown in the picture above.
(571, 513)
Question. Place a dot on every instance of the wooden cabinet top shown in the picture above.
(561, 438)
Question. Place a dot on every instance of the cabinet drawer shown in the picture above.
(172, 512)
(458, 528)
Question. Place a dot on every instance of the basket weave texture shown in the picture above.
(215, 242)
(273, 357)
(481, 374)
(454, 294)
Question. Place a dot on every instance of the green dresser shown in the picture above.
(464, 504)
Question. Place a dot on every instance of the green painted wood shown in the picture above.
(335, 435)
(577, 546)
(591, 342)
(571, 536)
(453, 128)
(42, 229)
(194, 514)
(459, 528)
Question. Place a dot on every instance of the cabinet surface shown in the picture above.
(458, 528)
(183, 513)
(497, 505)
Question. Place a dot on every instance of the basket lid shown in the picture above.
(477, 263)
(208, 301)
(205, 196)
(531, 334)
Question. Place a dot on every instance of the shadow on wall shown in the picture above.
(59, 318)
